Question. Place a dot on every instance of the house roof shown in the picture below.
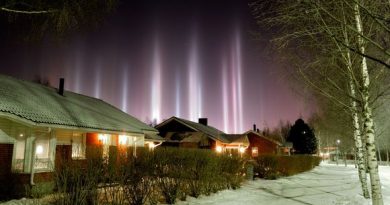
(153, 137)
(212, 132)
(237, 138)
(262, 136)
(42, 106)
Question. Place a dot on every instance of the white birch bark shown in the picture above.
(369, 131)
(359, 151)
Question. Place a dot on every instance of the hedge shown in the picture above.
(273, 166)
(162, 175)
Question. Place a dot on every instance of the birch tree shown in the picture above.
(336, 26)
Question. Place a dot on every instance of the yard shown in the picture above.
(326, 184)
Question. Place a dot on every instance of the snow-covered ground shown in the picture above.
(325, 185)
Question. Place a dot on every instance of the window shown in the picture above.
(124, 140)
(34, 150)
(42, 156)
(78, 146)
(20, 144)
(255, 152)
(105, 139)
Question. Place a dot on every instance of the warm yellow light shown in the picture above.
(255, 150)
(218, 148)
(242, 149)
(103, 138)
(151, 145)
(122, 139)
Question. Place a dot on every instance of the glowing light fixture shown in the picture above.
(103, 138)
(122, 140)
(151, 145)
(39, 149)
(241, 149)
(21, 135)
(218, 149)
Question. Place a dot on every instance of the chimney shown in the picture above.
(254, 127)
(203, 121)
(61, 88)
(258, 131)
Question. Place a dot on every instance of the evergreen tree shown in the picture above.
(302, 137)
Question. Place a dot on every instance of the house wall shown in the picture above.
(264, 146)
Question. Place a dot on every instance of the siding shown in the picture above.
(263, 145)
(6, 151)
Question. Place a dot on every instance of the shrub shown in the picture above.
(75, 185)
(138, 182)
(273, 166)
(169, 168)
(167, 172)
(266, 166)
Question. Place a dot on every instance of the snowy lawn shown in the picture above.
(325, 184)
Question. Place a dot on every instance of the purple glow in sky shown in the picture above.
(156, 59)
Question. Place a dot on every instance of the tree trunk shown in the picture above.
(379, 154)
(387, 157)
(369, 131)
(360, 161)
(345, 159)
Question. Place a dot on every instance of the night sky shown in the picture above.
(156, 59)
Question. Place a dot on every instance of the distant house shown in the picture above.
(259, 144)
(179, 132)
(40, 126)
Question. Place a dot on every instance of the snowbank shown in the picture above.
(325, 185)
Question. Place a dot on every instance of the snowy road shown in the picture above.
(324, 185)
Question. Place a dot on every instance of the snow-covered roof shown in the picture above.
(264, 137)
(153, 137)
(212, 132)
(237, 138)
(42, 106)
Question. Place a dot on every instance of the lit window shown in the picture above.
(123, 140)
(78, 146)
(105, 139)
(42, 160)
(19, 153)
(255, 152)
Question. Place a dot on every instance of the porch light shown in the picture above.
(151, 145)
(122, 139)
(218, 149)
(39, 149)
(241, 149)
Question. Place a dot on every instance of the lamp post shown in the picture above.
(337, 151)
